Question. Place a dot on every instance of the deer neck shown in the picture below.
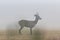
(36, 20)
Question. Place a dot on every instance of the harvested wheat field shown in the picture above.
(37, 35)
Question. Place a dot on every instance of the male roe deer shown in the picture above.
(30, 24)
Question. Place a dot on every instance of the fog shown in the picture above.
(11, 11)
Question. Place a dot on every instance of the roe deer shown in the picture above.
(30, 24)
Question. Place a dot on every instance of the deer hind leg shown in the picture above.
(20, 29)
(31, 31)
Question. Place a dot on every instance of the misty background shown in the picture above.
(11, 11)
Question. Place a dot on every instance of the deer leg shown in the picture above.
(31, 31)
(20, 30)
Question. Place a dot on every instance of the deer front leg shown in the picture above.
(20, 30)
(31, 31)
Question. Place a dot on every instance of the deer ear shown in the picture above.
(35, 15)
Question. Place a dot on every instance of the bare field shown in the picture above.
(52, 35)
(45, 35)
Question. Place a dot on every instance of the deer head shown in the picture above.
(37, 16)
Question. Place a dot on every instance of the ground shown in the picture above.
(14, 35)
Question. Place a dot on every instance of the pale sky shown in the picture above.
(14, 10)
